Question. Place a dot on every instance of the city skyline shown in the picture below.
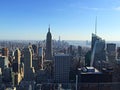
(69, 19)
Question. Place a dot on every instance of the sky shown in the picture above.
(69, 19)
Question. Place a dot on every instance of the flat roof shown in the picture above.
(62, 54)
(90, 70)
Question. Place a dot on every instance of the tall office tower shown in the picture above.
(62, 64)
(35, 49)
(28, 69)
(3, 62)
(118, 52)
(79, 50)
(16, 67)
(70, 50)
(49, 45)
(111, 51)
(40, 56)
(94, 39)
(98, 53)
(16, 62)
(5, 52)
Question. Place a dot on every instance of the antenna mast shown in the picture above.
(96, 25)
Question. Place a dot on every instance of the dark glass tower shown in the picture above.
(49, 45)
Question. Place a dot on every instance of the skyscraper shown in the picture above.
(3, 62)
(94, 39)
(5, 52)
(49, 45)
(62, 65)
(28, 69)
(16, 62)
(40, 56)
(98, 50)
(16, 67)
(111, 51)
(79, 50)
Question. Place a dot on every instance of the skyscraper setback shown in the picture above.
(49, 45)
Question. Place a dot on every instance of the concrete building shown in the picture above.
(62, 64)
(28, 69)
(26, 85)
(70, 50)
(5, 52)
(40, 52)
(41, 76)
(111, 51)
(7, 75)
(3, 62)
(40, 57)
(118, 52)
(16, 67)
(35, 49)
(48, 53)
(111, 48)
(79, 50)
(35, 64)
(16, 62)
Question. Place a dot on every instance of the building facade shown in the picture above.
(48, 45)
(62, 64)
(28, 69)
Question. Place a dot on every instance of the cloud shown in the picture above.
(89, 8)
(117, 8)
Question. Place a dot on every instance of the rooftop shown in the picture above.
(89, 70)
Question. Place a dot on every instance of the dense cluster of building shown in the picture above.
(54, 65)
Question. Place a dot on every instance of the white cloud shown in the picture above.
(89, 8)
(117, 8)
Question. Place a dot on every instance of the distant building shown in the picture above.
(94, 39)
(35, 49)
(111, 48)
(7, 75)
(70, 50)
(5, 52)
(16, 62)
(111, 51)
(28, 69)
(26, 85)
(41, 76)
(88, 58)
(40, 57)
(48, 53)
(62, 64)
(3, 62)
(79, 50)
(98, 53)
(40, 52)
(35, 64)
(118, 52)
(38, 61)
(16, 67)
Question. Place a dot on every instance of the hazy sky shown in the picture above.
(70, 19)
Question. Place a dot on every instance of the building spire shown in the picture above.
(49, 28)
(59, 38)
(96, 25)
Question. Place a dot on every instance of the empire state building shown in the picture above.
(49, 45)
